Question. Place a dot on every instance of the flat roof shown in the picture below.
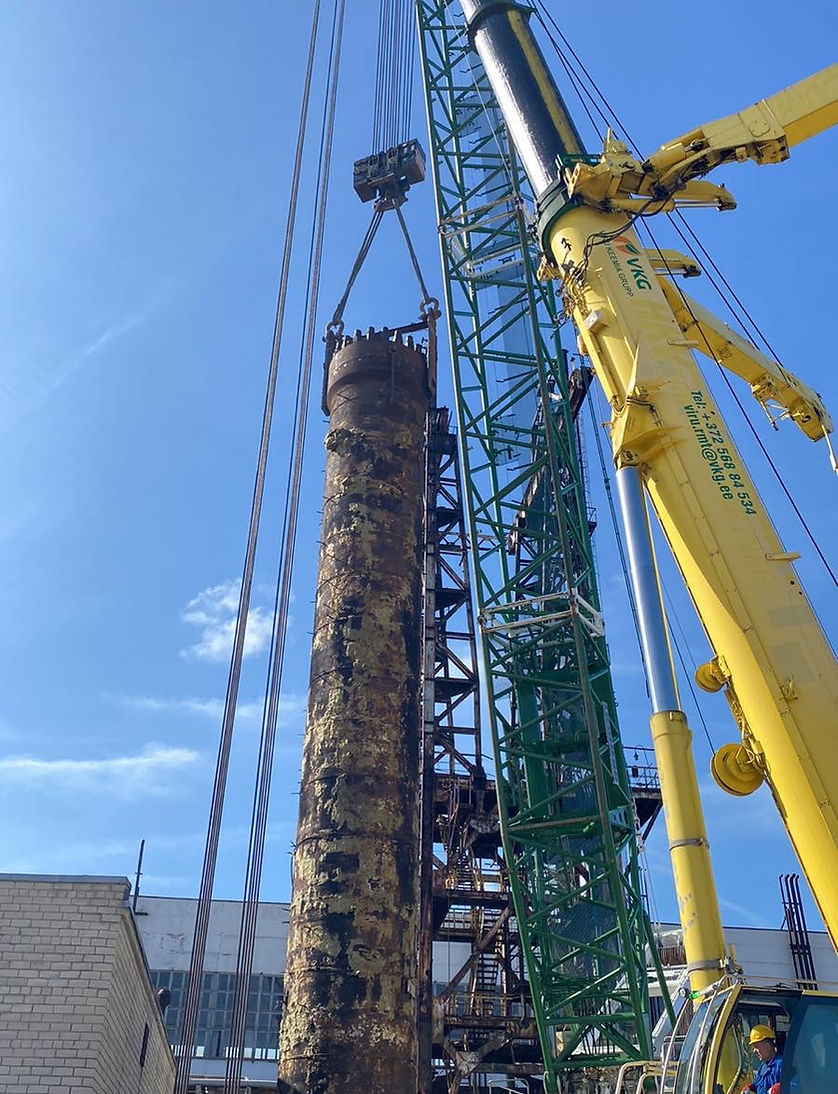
(98, 879)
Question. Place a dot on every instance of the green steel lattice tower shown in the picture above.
(567, 820)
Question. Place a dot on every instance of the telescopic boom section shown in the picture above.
(771, 656)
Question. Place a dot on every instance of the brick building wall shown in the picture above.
(75, 997)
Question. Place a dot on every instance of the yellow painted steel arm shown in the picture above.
(780, 675)
(771, 384)
(763, 132)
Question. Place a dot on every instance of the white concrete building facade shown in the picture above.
(166, 925)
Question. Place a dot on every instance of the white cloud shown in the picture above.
(153, 771)
(213, 611)
(208, 708)
(212, 708)
(292, 707)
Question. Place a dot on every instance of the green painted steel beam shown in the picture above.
(566, 814)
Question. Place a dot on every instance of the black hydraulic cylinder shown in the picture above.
(538, 121)
(349, 1017)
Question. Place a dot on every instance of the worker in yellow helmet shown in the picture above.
(763, 1040)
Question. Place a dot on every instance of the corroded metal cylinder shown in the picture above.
(349, 1019)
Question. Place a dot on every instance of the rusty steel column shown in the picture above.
(349, 1018)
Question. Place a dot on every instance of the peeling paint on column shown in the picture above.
(349, 1021)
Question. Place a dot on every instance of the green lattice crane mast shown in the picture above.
(566, 813)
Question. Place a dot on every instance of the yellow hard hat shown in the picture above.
(761, 1033)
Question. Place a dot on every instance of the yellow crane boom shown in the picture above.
(771, 656)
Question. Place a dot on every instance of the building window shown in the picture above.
(215, 1013)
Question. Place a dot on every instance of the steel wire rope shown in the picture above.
(408, 69)
(337, 318)
(382, 76)
(196, 966)
(404, 66)
(398, 71)
(394, 74)
(583, 94)
(404, 70)
(611, 115)
(392, 36)
(395, 90)
(377, 138)
(395, 42)
(742, 316)
(385, 45)
(426, 296)
(336, 322)
(250, 906)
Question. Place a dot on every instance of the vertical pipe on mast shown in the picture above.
(349, 1021)
(704, 943)
(651, 618)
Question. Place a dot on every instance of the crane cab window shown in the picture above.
(807, 1039)
(734, 1064)
(692, 1058)
(810, 1059)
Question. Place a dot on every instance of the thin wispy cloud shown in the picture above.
(155, 770)
(27, 388)
(747, 916)
(204, 708)
(292, 707)
(213, 612)
(115, 854)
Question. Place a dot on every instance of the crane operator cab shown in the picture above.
(717, 1054)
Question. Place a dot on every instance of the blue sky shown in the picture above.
(147, 157)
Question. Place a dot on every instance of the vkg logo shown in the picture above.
(633, 261)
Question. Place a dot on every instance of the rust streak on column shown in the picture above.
(349, 1022)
